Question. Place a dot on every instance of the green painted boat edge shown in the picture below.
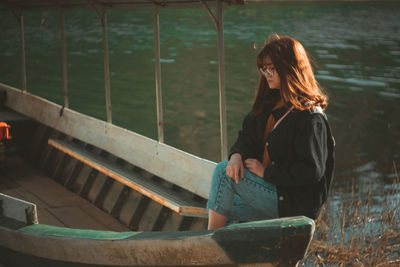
(282, 237)
(63, 232)
(279, 241)
(299, 224)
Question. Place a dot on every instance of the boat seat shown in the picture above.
(132, 179)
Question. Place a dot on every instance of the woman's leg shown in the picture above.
(215, 220)
(259, 198)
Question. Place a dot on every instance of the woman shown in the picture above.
(282, 161)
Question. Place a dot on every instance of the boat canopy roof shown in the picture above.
(49, 4)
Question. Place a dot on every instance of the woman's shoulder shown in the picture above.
(311, 113)
(311, 117)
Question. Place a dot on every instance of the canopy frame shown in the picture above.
(103, 5)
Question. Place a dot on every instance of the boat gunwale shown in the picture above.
(59, 243)
(171, 164)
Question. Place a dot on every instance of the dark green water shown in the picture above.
(356, 52)
(355, 46)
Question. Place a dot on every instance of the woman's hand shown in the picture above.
(235, 168)
(255, 167)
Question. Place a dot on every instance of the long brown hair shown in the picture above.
(298, 85)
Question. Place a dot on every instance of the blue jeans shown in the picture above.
(250, 200)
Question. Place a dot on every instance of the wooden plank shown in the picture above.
(173, 165)
(146, 187)
(150, 216)
(71, 172)
(64, 167)
(99, 201)
(74, 217)
(89, 183)
(8, 115)
(129, 207)
(112, 197)
(49, 160)
(96, 188)
(48, 190)
(58, 160)
(79, 183)
(36, 141)
(172, 222)
(43, 150)
(123, 196)
(108, 221)
(26, 195)
(48, 218)
(199, 224)
(18, 209)
(82, 175)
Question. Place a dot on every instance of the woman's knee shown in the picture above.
(219, 173)
(220, 169)
(221, 165)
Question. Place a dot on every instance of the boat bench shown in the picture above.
(145, 186)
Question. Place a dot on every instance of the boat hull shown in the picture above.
(279, 242)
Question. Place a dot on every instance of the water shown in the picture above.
(355, 48)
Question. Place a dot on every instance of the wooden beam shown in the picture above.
(133, 180)
(23, 61)
(84, 4)
(106, 65)
(64, 60)
(176, 166)
(210, 13)
(221, 71)
(157, 67)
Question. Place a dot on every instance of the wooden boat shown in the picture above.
(26, 243)
(147, 186)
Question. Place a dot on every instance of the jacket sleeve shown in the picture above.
(310, 154)
(246, 143)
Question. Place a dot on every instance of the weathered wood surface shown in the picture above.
(7, 115)
(18, 209)
(133, 180)
(55, 204)
(173, 165)
(279, 242)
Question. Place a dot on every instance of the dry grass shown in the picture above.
(359, 229)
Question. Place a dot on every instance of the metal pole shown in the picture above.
(221, 70)
(157, 66)
(64, 59)
(23, 62)
(106, 66)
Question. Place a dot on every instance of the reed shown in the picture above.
(358, 229)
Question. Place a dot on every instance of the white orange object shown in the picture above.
(4, 131)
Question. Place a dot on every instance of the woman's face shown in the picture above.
(270, 74)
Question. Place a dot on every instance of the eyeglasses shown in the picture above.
(269, 72)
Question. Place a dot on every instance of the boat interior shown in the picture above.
(71, 193)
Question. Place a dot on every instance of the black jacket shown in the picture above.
(301, 150)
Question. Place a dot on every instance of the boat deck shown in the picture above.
(55, 204)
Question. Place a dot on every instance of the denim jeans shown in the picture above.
(252, 199)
